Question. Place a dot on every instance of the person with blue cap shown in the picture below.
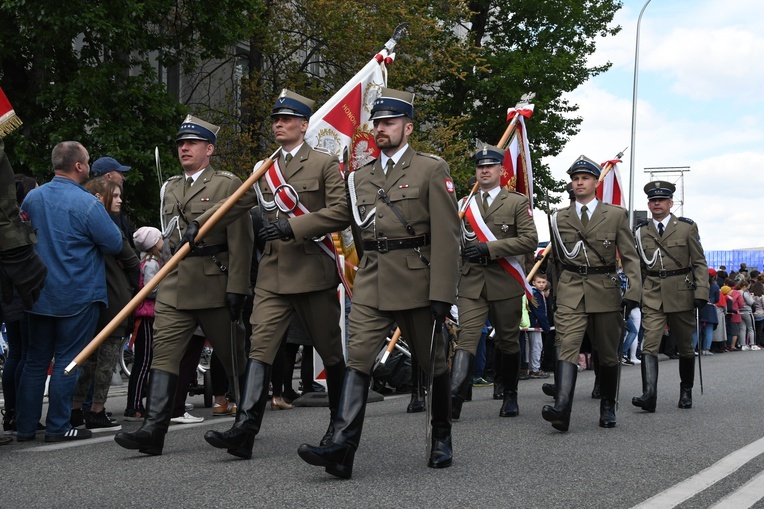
(587, 238)
(295, 275)
(487, 291)
(406, 227)
(206, 289)
(110, 168)
(675, 268)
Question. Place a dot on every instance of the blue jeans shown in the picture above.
(52, 337)
(631, 335)
(707, 332)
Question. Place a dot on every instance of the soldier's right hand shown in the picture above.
(629, 305)
(22, 269)
(191, 232)
(476, 252)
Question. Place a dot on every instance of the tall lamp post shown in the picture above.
(634, 121)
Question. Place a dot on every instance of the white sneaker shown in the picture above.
(755, 347)
(186, 419)
(745, 348)
(636, 361)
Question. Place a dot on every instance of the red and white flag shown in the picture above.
(343, 121)
(610, 190)
(518, 170)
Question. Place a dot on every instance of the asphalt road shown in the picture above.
(709, 456)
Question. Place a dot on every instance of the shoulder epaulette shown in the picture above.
(431, 156)
(369, 162)
(686, 220)
(521, 194)
(227, 174)
(641, 224)
(322, 150)
(175, 177)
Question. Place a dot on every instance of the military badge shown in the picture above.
(504, 228)
(450, 186)
(606, 243)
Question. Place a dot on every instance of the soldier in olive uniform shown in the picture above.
(206, 289)
(671, 254)
(585, 238)
(21, 268)
(486, 288)
(405, 219)
(294, 274)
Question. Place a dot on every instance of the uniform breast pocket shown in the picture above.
(606, 240)
(676, 243)
(169, 209)
(307, 190)
(504, 226)
(364, 203)
(405, 200)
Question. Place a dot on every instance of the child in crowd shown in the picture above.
(539, 320)
(148, 241)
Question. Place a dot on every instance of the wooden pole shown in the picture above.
(169, 266)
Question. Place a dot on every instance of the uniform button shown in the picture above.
(379, 215)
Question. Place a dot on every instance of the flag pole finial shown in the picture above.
(399, 33)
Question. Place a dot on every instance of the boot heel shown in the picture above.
(153, 450)
(342, 470)
(244, 451)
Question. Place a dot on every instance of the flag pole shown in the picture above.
(170, 265)
(609, 165)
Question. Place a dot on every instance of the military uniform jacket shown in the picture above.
(608, 230)
(299, 265)
(13, 231)
(420, 187)
(198, 281)
(510, 221)
(681, 240)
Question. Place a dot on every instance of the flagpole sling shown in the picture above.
(170, 265)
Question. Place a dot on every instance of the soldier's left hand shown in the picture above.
(235, 303)
(192, 230)
(475, 252)
(700, 303)
(440, 311)
(277, 230)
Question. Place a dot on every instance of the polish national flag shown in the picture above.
(610, 190)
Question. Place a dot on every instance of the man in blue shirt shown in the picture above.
(74, 231)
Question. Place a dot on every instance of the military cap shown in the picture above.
(393, 103)
(569, 190)
(489, 155)
(197, 129)
(585, 165)
(660, 189)
(292, 104)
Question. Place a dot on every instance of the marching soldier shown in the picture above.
(497, 224)
(206, 289)
(673, 271)
(586, 236)
(405, 219)
(296, 273)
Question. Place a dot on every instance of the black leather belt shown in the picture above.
(383, 244)
(585, 269)
(484, 260)
(663, 274)
(208, 250)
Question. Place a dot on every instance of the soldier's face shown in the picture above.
(392, 133)
(289, 130)
(660, 207)
(488, 176)
(194, 155)
(584, 186)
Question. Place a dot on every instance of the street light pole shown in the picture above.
(634, 121)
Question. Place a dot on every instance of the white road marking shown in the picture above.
(744, 497)
(704, 479)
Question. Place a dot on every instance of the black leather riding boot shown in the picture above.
(649, 398)
(596, 392)
(418, 386)
(240, 439)
(687, 379)
(551, 389)
(337, 456)
(149, 439)
(559, 414)
(510, 366)
(498, 380)
(441, 454)
(608, 387)
(461, 380)
(334, 376)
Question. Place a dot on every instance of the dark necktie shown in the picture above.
(288, 158)
(189, 181)
(660, 229)
(389, 167)
(584, 216)
(485, 203)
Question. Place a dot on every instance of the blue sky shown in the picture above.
(700, 104)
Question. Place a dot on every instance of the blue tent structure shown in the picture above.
(753, 258)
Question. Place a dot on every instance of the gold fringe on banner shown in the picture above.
(9, 123)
